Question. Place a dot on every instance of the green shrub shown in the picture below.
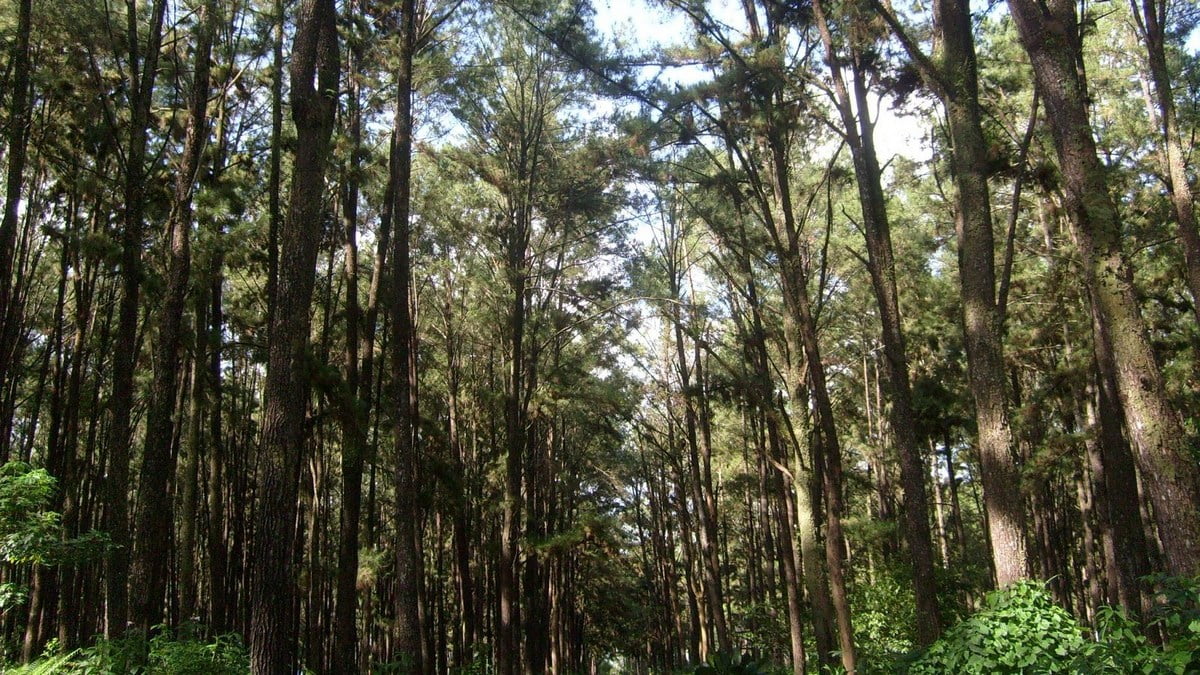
(167, 654)
(30, 533)
(1020, 630)
(884, 618)
(1121, 645)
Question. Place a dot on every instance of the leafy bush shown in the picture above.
(1020, 630)
(1121, 645)
(764, 626)
(30, 533)
(167, 655)
(884, 617)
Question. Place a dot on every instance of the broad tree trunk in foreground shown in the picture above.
(314, 78)
(1051, 35)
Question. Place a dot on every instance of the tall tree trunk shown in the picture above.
(189, 478)
(151, 549)
(881, 264)
(1051, 36)
(126, 344)
(801, 326)
(1116, 476)
(19, 118)
(955, 82)
(314, 75)
(408, 563)
(354, 412)
(274, 162)
(700, 493)
(1151, 19)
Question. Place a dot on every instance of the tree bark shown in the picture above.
(154, 512)
(882, 267)
(1151, 20)
(18, 136)
(354, 411)
(1051, 36)
(408, 562)
(956, 84)
(314, 78)
(126, 343)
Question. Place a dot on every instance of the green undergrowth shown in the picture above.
(168, 653)
(1021, 630)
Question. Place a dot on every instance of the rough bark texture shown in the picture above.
(126, 344)
(408, 562)
(1050, 34)
(859, 134)
(153, 517)
(314, 78)
(953, 77)
(1116, 477)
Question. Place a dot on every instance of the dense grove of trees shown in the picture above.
(485, 337)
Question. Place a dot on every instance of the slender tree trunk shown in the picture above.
(706, 521)
(189, 478)
(408, 562)
(881, 264)
(126, 344)
(19, 118)
(981, 324)
(1116, 476)
(154, 511)
(220, 597)
(826, 448)
(274, 162)
(354, 409)
(1151, 21)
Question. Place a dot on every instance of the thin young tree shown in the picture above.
(154, 509)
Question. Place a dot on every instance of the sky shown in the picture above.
(640, 24)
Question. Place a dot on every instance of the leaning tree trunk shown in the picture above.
(1051, 35)
(881, 264)
(314, 75)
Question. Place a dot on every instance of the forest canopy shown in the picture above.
(528, 336)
